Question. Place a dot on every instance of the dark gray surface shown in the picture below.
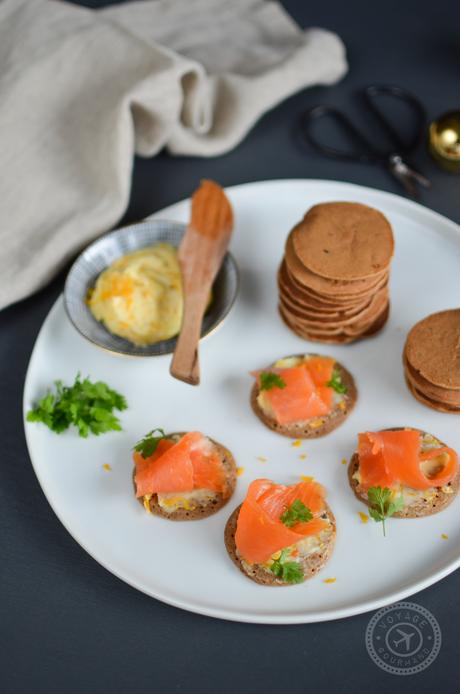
(66, 624)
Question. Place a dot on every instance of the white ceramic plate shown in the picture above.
(186, 564)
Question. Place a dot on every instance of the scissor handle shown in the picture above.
(366, 153)
(371, 94)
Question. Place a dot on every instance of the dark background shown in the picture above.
(66, 624)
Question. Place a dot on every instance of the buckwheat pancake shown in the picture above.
(206, 498)
(438, 405)
(317, 425)
(433, 349)
(330, 287)
(356, 320)
(344, 240)
(307, 294)
(417, 502)
(319, 316)
(447, 396)
(322, 298)
(315, 301)
(312, 336)
(311, 563)
(334, 276)
(340, 338)
(354, 327)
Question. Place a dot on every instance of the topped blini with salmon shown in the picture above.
(405, 473)
(303, 396)
(280, 534)
(182, 476)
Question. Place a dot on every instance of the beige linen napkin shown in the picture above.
(81, 91)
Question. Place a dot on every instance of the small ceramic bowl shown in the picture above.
(102, 252)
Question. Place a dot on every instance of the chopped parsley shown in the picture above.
(381, 504)
(336, 383)
(88, 406)
(148, 445)
(288, 571)
(296, 513)
(269, 380)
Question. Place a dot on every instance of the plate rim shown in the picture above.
(246, 617)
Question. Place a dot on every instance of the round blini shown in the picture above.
(338, 338)
(443, 396)
(335, 325)
(316, 426)
(329, 287)
(436, 501)
(318, 300)
(202, 510)
(344, 240)
(256, 572)
(432, 348)
(430, 402)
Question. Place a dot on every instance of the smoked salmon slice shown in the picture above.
(161, 448)
(277, 498)
(326, 394)
(180, 467)
(447, 470)
(387, 458)
(260, 531)
(208, 472)
(320, 369)
(301, 398)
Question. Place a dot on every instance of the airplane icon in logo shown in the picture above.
(406, 638)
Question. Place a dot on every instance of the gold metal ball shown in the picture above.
(444, 140)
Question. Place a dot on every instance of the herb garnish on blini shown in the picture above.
(288, 571)
(296, 513)
(269, 380)
(148, 445)
(336, 383)
(382, 506)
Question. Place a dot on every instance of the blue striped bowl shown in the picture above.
(102, 252)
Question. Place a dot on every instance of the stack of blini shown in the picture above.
(431, 361)
(333, 280)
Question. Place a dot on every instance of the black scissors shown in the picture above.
(393, 158)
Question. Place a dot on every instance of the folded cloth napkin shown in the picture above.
(81, 91)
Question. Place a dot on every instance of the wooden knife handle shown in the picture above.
(185, 364)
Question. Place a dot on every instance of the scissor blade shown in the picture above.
(407, 175)
(420, 178)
